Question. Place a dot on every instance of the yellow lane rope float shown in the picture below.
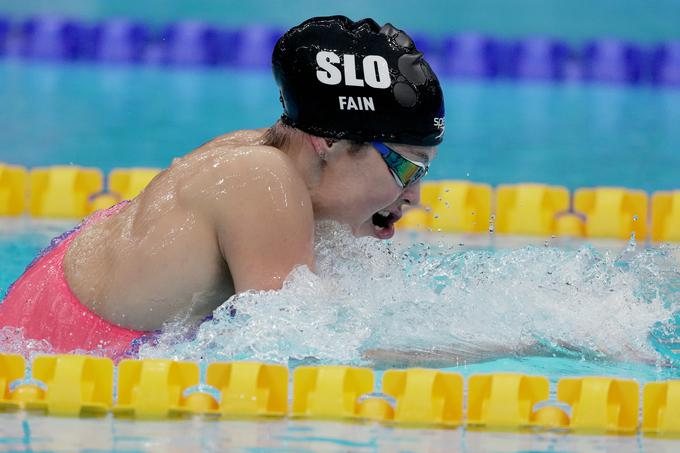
(448, 206)
(78, 385)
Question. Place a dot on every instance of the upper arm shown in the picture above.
(265, 223)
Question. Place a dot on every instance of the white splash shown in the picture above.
(373, 301)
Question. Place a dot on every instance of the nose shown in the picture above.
(411, 194)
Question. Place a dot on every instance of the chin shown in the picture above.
(363, 230)
(369, 229)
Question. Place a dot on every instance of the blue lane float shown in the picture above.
(471, 55)
(611, 60)
(4, 31)
(540, 59)
(666, 64)
(197, 43)
(192, 43)
(120, 41)
(52, 38)
(253, 46)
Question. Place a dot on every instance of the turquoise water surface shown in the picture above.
(503, 132)
(19, 433)
(551, 309)
(463, 304)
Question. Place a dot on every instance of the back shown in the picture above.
(161, 258)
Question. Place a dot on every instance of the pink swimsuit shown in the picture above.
(41, 303)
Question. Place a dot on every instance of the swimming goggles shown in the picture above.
(405, 171)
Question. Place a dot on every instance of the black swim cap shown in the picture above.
(357, 81)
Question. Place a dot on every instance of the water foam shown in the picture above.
(377, 302)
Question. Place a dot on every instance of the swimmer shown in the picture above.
(362, 116)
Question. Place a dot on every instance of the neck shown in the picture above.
(302, 152)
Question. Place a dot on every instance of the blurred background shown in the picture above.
(574, 20)
(576, 93)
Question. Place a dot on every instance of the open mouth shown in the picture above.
(383, 223)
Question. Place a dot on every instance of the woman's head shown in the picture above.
(357, 81)
(358, 187)
(364, 103)
(352, 182)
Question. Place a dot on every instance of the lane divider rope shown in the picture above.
(471, 55)
(449, 206)
(79, 385)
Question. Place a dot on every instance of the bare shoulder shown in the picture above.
(245, 136)
(262, 214)
(229, 174)
(228, 183)
(252, 200)
(266, 177)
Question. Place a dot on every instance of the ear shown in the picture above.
(322, 146)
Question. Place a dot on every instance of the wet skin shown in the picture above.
(231, 216)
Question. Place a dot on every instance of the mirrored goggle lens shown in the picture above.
(404, 170)
(408, 172)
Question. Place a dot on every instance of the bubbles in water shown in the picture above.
(12, 341)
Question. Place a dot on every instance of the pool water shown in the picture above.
(555, 309)
(458, 303)
(558, 309)
(33, 433)
(545, 307)
(497, 132)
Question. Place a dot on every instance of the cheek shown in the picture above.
(378, 198)
(374, 189)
